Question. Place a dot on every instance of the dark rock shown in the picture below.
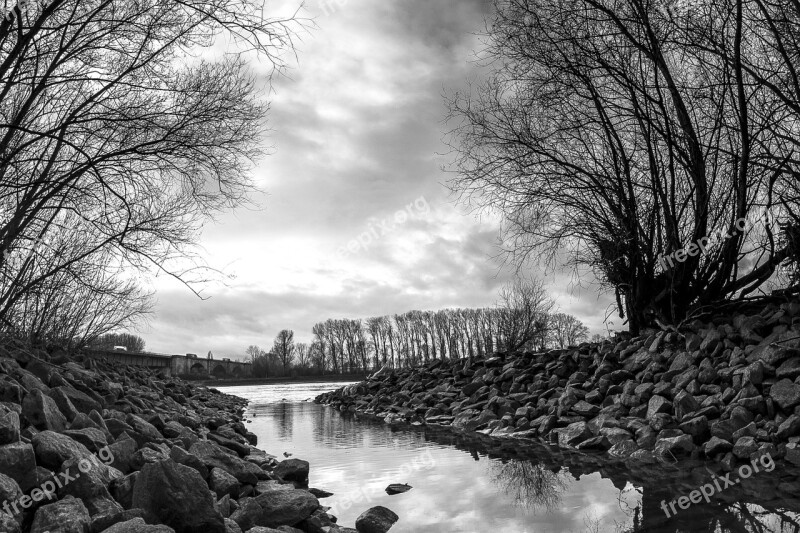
(16, 460)
(94, 439)
(376, 520)
(789, 369)
(715, 446)
(786, 394)
(223, 483)
(745, 447)
(65, 516)
(137, 525)
(9, 428)
(176, 495)
(214, 456)
(397, 488)
(52, 449)
(674, 447)
(42, 412)
(276, 508)
(292, 470)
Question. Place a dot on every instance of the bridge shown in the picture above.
(178, 365)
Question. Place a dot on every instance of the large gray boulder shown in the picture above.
(176, 495)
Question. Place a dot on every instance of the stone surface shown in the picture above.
(176, 495)
(64, 516)
(376, 520)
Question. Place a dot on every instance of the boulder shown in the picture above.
(292, 470)
(214, 456)
(674, 447)
(42, 412)
(9, 428)
(64, 516)
(52, 449)
(94, 439)
(176, 495)
(276, 508)
(376, 520)
(137, 525)
(223, 483)
(17, 460)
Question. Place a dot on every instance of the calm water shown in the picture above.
(472, 484)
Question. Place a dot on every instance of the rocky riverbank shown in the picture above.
(726, 390)
(90, 448)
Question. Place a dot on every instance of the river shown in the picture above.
(476, 484)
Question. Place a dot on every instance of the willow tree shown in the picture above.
(644, 140)
(119, 124)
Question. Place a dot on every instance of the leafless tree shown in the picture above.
(523, 306)
(566, 330)
(641, 142)
(118, 124)
(284, 348)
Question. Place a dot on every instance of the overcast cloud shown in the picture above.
(356, 132)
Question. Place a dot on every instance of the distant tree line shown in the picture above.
(522, 320)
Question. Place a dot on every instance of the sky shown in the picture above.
(352, 217)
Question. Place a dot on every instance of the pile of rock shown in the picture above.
(726, 390)
(85, 447)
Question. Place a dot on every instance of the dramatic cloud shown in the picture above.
(354, 221)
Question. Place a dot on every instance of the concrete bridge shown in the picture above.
(178, 365)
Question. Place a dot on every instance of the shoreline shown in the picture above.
(725, 392)
(151, 450)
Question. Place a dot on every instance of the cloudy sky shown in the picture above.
(353, 220)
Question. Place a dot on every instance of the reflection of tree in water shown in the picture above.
(530, 484)
(284, 420)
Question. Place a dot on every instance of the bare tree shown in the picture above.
(643, 143)
(566, 330)
(523, 306)
(284, 348)
(113, 128)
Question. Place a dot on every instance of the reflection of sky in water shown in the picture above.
(455, 490)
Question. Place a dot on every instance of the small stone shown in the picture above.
(745, 447)
(716, 445)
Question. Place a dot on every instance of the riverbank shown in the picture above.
(725, 391)
(88, 447)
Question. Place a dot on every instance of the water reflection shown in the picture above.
(529, 484)
(473, 483)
